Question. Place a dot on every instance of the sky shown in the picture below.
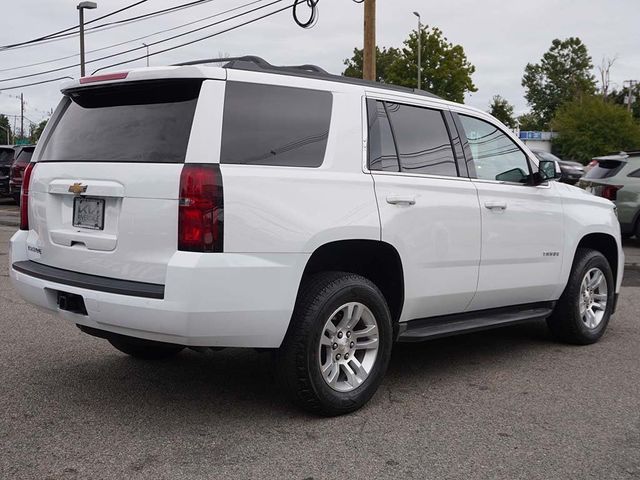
(499, 37)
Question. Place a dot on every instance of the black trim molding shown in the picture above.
(90, 282)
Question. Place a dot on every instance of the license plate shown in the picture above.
(88, 213)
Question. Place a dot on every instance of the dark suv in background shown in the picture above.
(22, 158)
(6, 159)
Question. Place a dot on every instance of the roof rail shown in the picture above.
(258, 64)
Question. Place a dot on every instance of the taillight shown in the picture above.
(24, 197)
(201, 208)
(610, 192)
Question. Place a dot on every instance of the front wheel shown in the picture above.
(583, 311)
(338, 346)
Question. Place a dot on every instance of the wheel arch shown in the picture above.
(605, 244)
(373, 259)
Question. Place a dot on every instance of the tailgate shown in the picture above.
(103, 196)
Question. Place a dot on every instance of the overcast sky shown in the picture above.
(498, 36)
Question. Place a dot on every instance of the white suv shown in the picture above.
(248, 205)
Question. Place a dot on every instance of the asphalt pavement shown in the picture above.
(505, 404)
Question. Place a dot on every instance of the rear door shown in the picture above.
(104, 191)
(428, 211)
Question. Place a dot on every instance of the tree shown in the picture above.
(589, 127)
(619, 96)
(503, 111)
(5, 130)
(445, 69)
(530, 122)
(35, 131)
(563, 74)
(384, 58)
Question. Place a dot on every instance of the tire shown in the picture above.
(324, 302)
(567, 323)
(144, 349)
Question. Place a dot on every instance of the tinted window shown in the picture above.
(495, 156)
(635, 174)
(273, 125)
(382, 150)
(605, 169)
(24, 156)
(422, 140)
(6, 155)
(137, 122)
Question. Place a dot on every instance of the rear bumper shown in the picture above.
(223, 300)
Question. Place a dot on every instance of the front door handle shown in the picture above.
(401, 199)
(496, 205)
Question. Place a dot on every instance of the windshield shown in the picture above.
(138, 122)
(546, 156)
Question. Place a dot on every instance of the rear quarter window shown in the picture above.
(275, 125)
(144, 122)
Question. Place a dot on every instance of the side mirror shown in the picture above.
(547, 170)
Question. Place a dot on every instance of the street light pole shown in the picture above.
(419, 50)
(81, 8)
(147, 47)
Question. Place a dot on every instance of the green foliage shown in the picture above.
(589, 127)
(503, 111)
(563, 74)
(445, 69)
(617, 97)
(35, 131)
(5, 129)
(530, 122)
(384, 58)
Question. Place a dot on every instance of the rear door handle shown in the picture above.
(401, 199)
(496, 205)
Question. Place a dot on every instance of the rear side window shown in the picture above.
(6, 155)
(275, 125)
(635, 174)
(422, 140)
(135, 122)
(382, 150)
(605, 169)
(25, 155)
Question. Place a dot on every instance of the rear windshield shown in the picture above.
(144, 122)
(6, 155)
(605, 169)
(25, 155)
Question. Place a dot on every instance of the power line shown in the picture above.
(204, 38)
(4, 47)
(106, 57)
(167, 49)
(134, 39)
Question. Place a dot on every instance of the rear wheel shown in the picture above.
(583, 311)
(338, 346)
(145, 349)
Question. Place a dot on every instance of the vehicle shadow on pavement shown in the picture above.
(241, 383)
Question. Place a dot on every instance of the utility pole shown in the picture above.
(630, 92)
(369, 55)
(147, 47)
(22, 116)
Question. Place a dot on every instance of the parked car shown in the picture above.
(617, 178)
(23, 155)
(319, 216)
(571, 171)
(6, 158)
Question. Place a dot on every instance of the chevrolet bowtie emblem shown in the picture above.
(77, 188)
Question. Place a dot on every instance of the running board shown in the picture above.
(435, 327)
